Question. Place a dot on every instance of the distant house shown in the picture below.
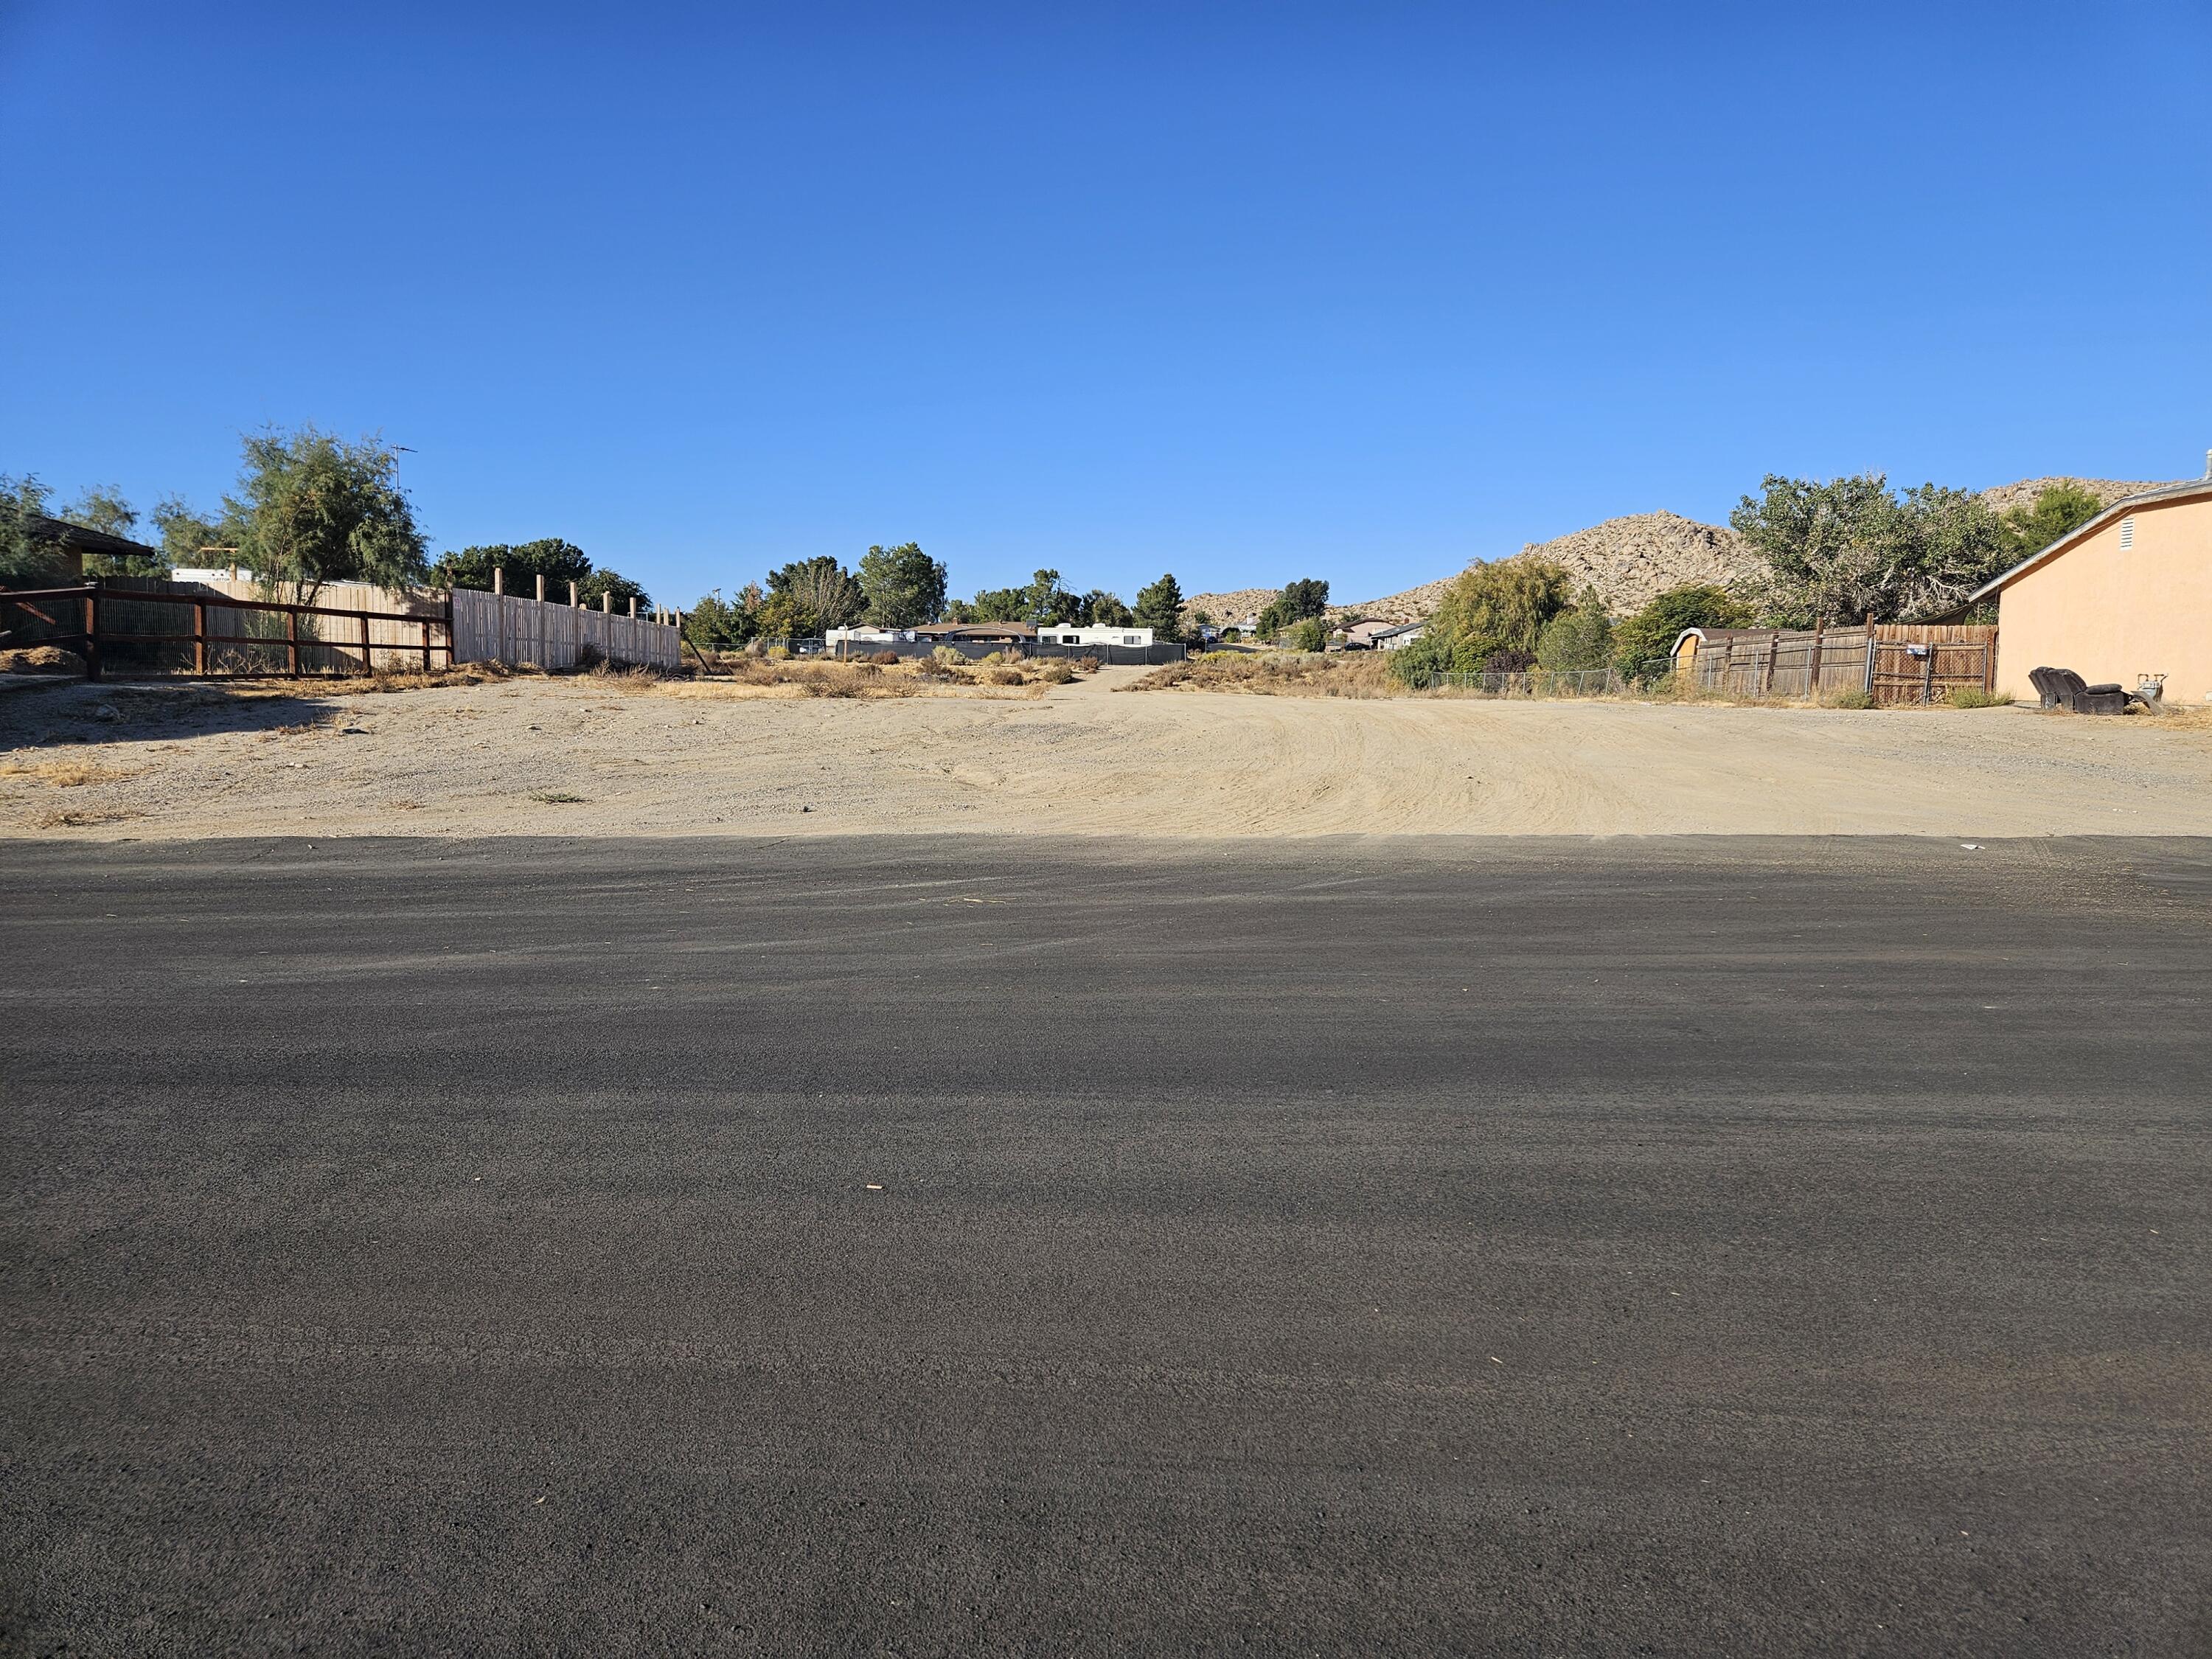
(1361, 636)
(1397, 635)
(2128, 594)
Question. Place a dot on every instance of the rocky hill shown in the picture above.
(2023, 494)
(1231, 609)
(1632, 561)
(1629, 561)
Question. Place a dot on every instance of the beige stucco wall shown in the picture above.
(2110, 615)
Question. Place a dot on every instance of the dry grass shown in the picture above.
(83, 817)
(909, 676)
(65, 774)
(40, 660)
(1279, 674)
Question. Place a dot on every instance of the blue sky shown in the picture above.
(1246, 292)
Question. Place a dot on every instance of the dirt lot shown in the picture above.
(598, 757)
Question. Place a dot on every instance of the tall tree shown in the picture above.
(559, 562)
(312, 508)
(816, 595)
(603, 584)
(1306, 596)
(189, 538)
(903, 584)
(1100, 609)
(1159, 607)
(1044, 600)
(998, 605)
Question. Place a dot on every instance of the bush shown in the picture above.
(1856, 697)
(779, 654)
(949, 656)
(1056, 672)
(1311, 634)
(1580, 638)
(885, 658)
(1972, 697)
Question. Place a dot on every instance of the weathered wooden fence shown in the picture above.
(146, 624)
(1894, 662)
(504, 628)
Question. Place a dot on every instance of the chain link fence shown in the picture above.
(1646, 680)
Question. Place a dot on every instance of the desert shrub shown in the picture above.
(1088, 665)
(948, 656)
(1857, 697)
(1004, 674)
(884, 658)
(779, 654)
(1311, 634)
(1579, 638)
(1055, 673)
(1972, 697)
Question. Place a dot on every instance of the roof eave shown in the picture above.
(2079, 533)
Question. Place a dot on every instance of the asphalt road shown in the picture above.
(950, 1247)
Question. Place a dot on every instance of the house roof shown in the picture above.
(2196, 489)
(1396, 629)
(1008, 630)
(78, 538)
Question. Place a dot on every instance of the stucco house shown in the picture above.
(2128, 594)
(1397, 638)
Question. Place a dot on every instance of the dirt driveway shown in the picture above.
(537, 757)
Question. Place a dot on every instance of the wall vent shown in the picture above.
(2127, 534)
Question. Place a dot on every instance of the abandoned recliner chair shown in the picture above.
(2061, 688)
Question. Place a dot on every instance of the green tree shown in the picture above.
(1580, 637)
(559, 562)
(1100, 609)
(603, 584)
(999, 604)
(1159, 607)
(25, 555)
(714, 621)
(102, 508)
(817, 594)
(1045, 601)
(1306, 596)
(1270, 621)
(1649, 636)
(190, 539)
(903, 585)
(312, 508)
(1499, 608)
(1842, 549)
(1309, 634)
(2059, 511)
